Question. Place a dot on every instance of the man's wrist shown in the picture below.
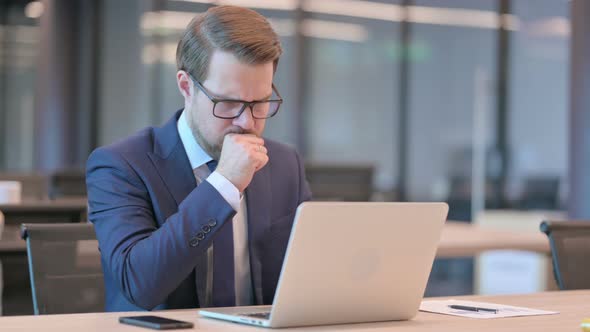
(227, 189)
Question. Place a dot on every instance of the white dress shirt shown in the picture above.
(198, 159)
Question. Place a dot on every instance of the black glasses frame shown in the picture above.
(249, 104)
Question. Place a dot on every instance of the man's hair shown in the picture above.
(236, 30)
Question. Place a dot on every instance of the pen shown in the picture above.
(468, 308)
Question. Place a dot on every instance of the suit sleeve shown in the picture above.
(147, 262)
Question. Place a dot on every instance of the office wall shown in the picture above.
(124, 103)
(443, 96)
(340, 78)
(538, 100)
(19, 42)
(352, 89)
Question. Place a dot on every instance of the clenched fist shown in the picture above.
(242, 155)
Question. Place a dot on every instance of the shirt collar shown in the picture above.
(196, 155)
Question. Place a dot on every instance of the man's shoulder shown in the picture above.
(129, 150)
(150, 139)
(138, 143)
(281, 154)
(278, 147)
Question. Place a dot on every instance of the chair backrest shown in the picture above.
(340, 182)
(570, 249)
(35, 186)
(67, 183)
(541, 192)
(65, 269)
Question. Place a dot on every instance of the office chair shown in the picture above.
(65, 269)
(340, 182)
(67, 183)
(570, 249)
(540, 192)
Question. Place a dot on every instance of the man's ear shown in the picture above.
(184, 83)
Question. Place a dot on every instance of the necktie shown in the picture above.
(223, 294)
(212, 165)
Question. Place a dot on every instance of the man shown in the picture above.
(176, 230)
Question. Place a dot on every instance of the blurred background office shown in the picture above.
(387, 100)
(419, 92)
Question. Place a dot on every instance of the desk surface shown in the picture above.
(47, 211)
(572, 305)
(65, 204)
(461, 239)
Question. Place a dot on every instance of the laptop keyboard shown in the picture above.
(260, 315)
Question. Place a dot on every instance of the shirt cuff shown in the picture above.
(227, 189)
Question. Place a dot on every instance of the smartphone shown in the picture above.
(155, 322)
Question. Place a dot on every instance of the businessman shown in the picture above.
(198, 212)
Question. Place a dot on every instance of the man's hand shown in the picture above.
(242, 155)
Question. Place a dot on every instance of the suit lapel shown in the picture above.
(258, 196)
(172, 164)
(170, 160)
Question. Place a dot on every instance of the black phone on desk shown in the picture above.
(156, 322)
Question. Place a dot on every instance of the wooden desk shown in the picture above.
(465, 240)
(11, 242)
(47, 211)
(572, 305)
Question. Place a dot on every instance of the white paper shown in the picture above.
(442, 307)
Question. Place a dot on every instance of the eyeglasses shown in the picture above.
(233, 108)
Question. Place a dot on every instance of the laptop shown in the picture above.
(350, 262)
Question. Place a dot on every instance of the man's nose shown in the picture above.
(245, 120)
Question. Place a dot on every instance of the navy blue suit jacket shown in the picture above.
(146, 209)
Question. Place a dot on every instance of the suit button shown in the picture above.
(200, 236)
(206, 229)
(212, 222)
(194, 242)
